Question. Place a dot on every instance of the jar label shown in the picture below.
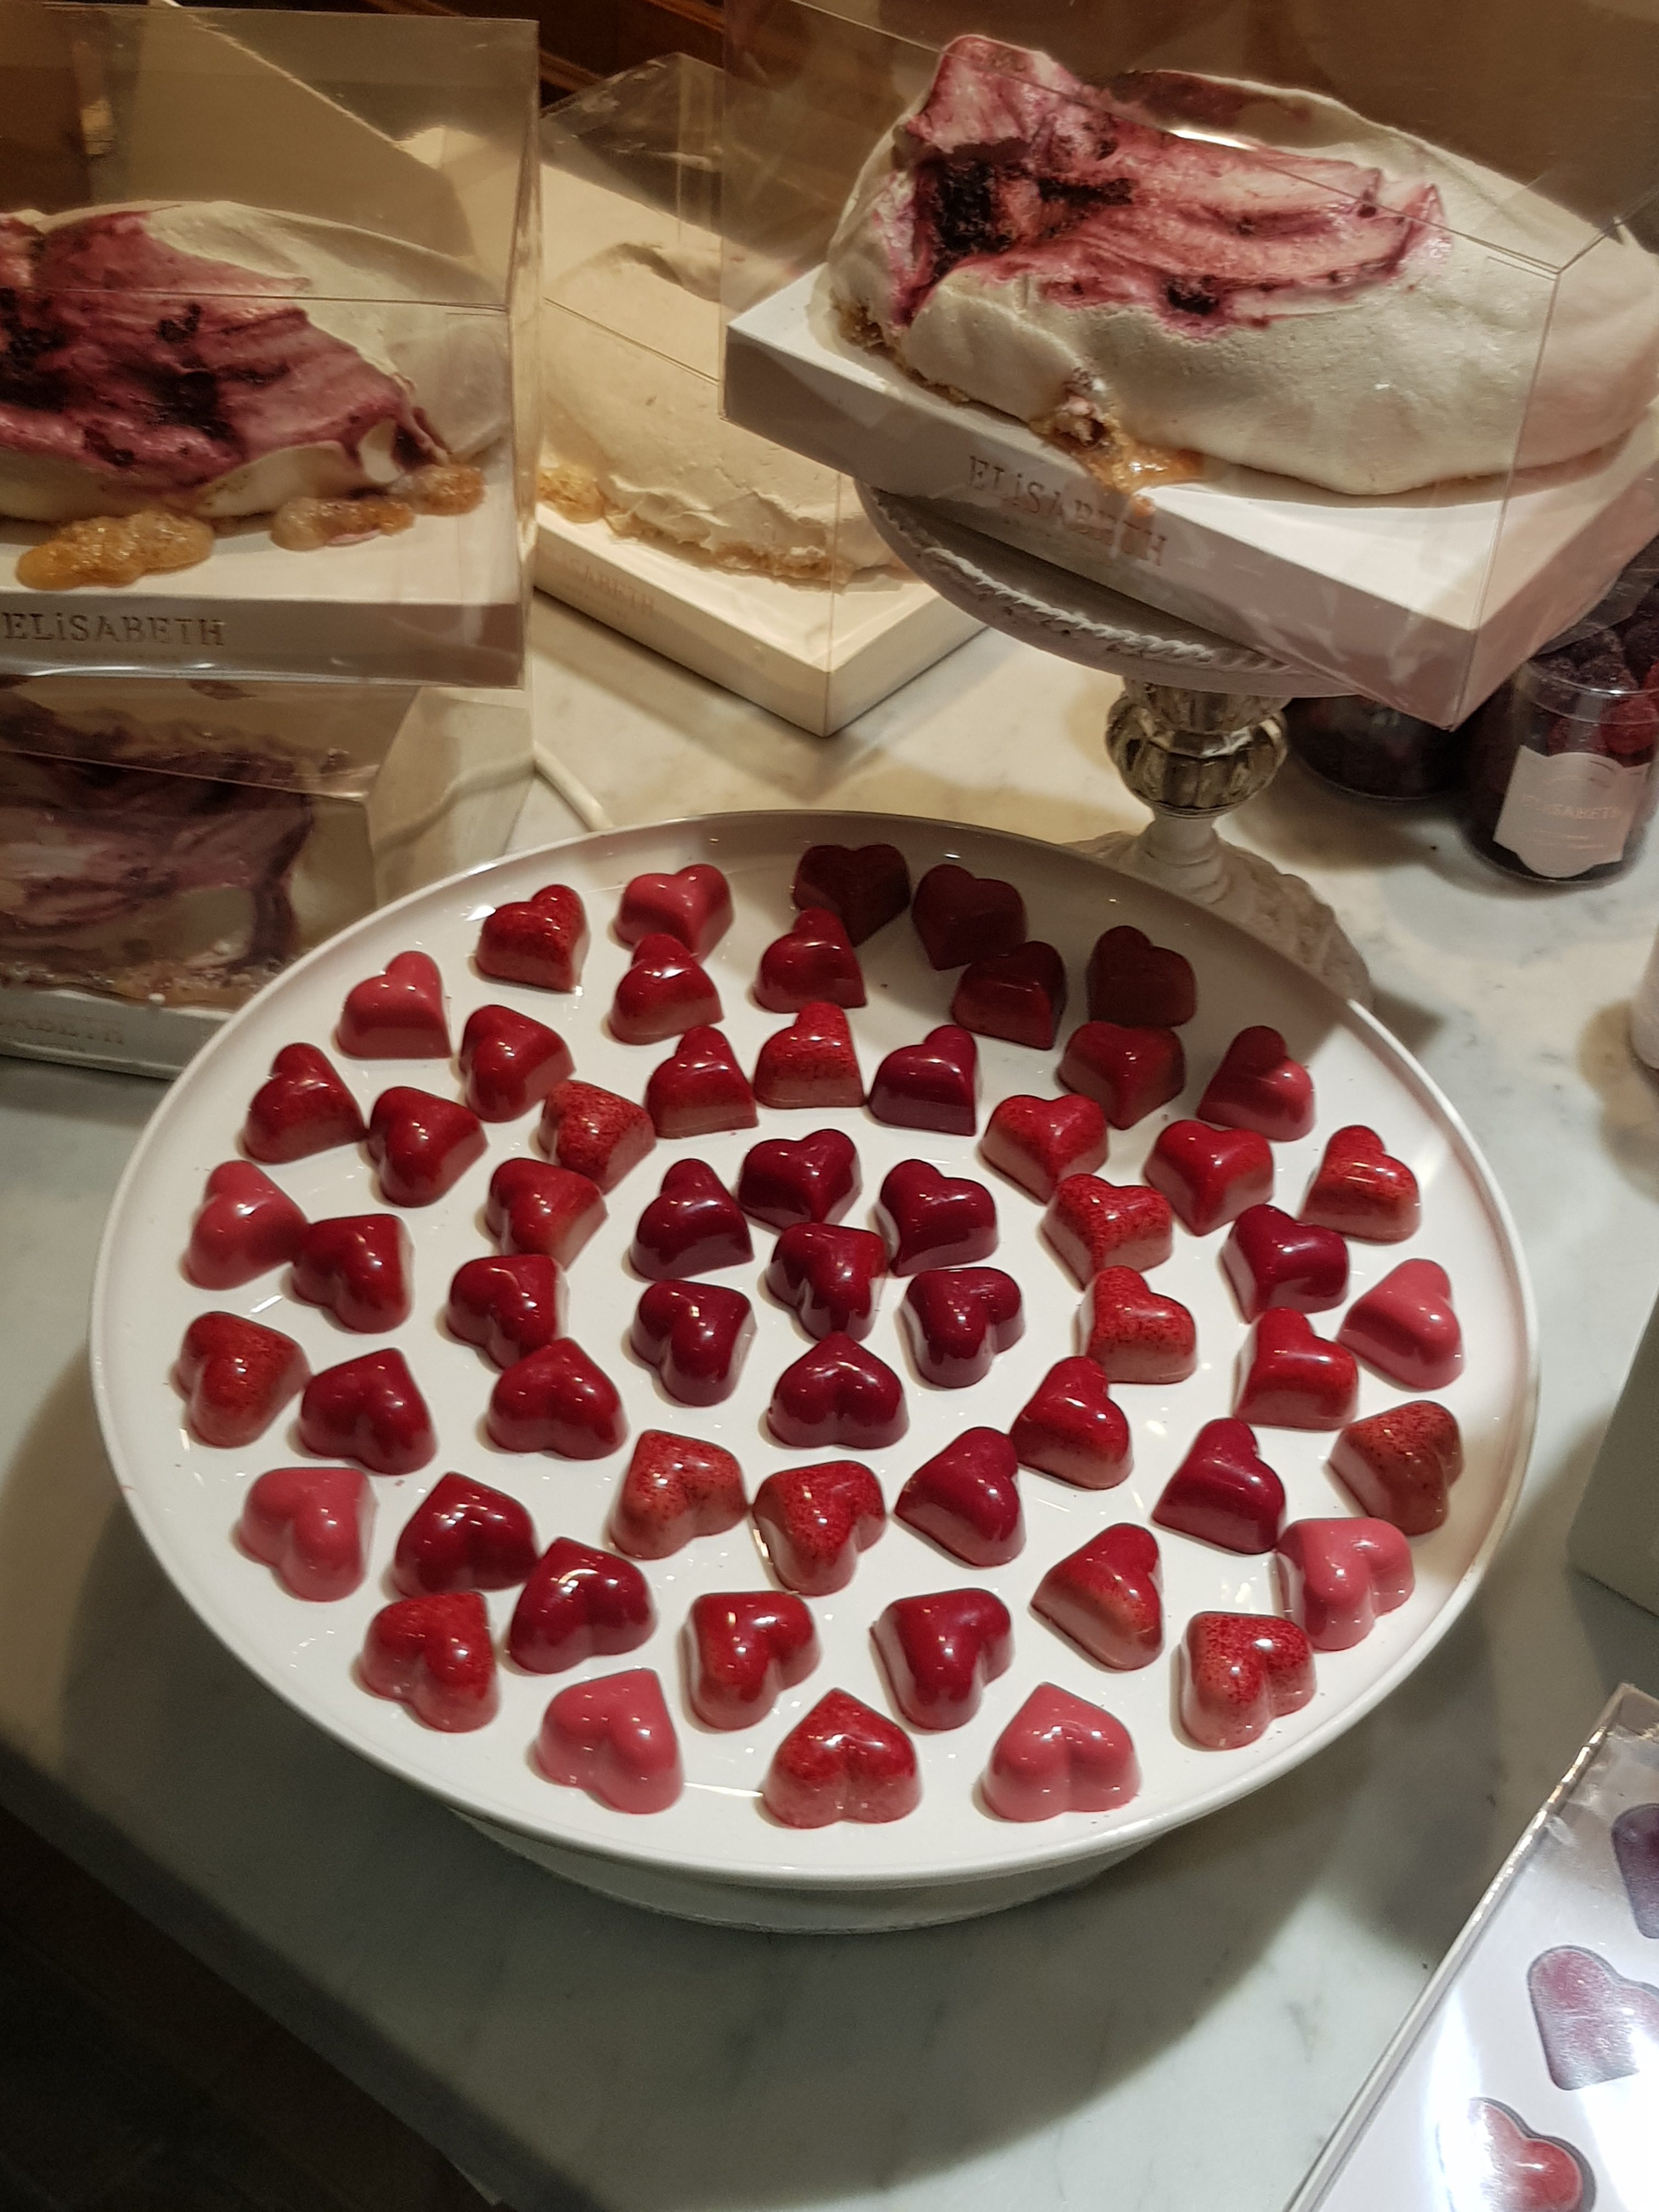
(1569, 813)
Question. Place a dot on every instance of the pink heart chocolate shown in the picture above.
(1039, 1142)
(742, 1649)
(788, 1179)
(939, 1651)
(1291, 1378)
(1130, 1073)
(1060, 1755)
(1108, 1597)
(556, 1400)
(235, 1377)
(838, 1393)
(1134, 1333)
(931, 1086)
(1636, 1852)
(696, 1335)
(1069, 1427)
(1338, 1576)
(509, 1063)
(421, 1145)
(815, 1520)
(243, 1228)
(843, 1762)
(1259, 1086)
(368, 1409)
(958, 1320)
(676, 1488)
(693, 1224)
(811, 1063)
(934, 1220)
(613, 1738)
(663, 993)
(579, 1603)
(1210, 1176)
(693, 906)
(700, 1088)
(867, 885)
(434, 1654)
(1093, 1224)
(593, 1133)
(508, 1307)
(1361, 1190)
(303, 1108)
(961, 917)
(1271, 1260)
(1223, 1492)
(1594, 2026)
(464, 1535)
(814, 961)
(1399, 1465)
(541, 941)
(966, 1498)
(831, 1276)
(1243, 1671)
(550, 1210)
(1020, 995)
(1494, 2163)
(1404, 1327)
(311, 1525)
(357, 1264)
(1138, 984)
(397, 1015)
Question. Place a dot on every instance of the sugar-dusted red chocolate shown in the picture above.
(397, 1015)
(815, 1520)
(244, 1227)
(532, 1208)
(1069, 1427)
(742, 1649)
(1107, 1596)
(541, 941)
(1130, 1073)
(1210, 1176)
(579, 1603)
(696, 1335)
(842, 1762)
(693, 906)
(1338, 1577)
(1134, 1333)
(700, 1088)
(368, 1409)
(934, 1220)
(1259, 1086)
(663, 993)
(613, 1737)
(867, 885)
(594, 1132)
(1038, 1142)
(361, 1266)
(311, 1525)
(1290, 1377)
(1139, 984)
(814, 961)
(838, 1393)
(811, 1063)
(931, 1086)
(434, 1654)
(1059, 1753)
(1595, 2025)
(939, 1651)
(676, 1488)
(961, 917)
(1223, 1492)
(235, 1377)
(303, 1107)
(966, 1498)
(1501, 2167)
(509, 1063)
(831, 1276)
(788, 1179)
(1240, 1673)
(464, 1535)
(1271, 1260)
(957, 1319)
(693, 1224)
(1093, 1224)
(1362, 1191)
(556, 1400)
(1020, 996)
(421, 1145)
(1399, 1465)
(507, 1305)
(1405, 1328)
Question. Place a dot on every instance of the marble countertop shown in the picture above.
(1183, 2032)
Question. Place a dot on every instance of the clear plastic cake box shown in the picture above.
(1425, 600)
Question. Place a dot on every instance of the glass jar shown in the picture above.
(1374, 751)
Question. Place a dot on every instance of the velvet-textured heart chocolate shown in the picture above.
(1271, 1260)
(957, 1319)
(1039, 1142)
(1259, 1086)
(421, 1145)
(235, 1377)
(244, 1227)
(535, 1208)
(434, 1654)
(1635, 1851)
(1405, 1327)
(1135, 1334)
(815, 1520)
(1337, 1577)
(961, 917)
(843, 1762)
(397, 1015)
(1108, 1597)
(556, 1400)
(1069, 1427)
(693, 906)
(508, 1306)
(1289, 1377)
(1362, 1191)
(541, 941)
(867, 885)
(831, 1276)
(663, 993)
(1130, 1073)
(934, 1220)
(1595, 2025)
(1223, 1492)
(304, 1108)
(742, 1649)
(1060, 1755)
(696, 1335)
(1492, 2162)
(361, 1266)
(1138, 984)
(700, 1088)
(814, 961)
(311, 1525)
(966, 1498)
(938, 1652)
(1020, 996)
(788, 1179)
(676, 1488)
(1093, 1224)
(368, 1409)
(464, 1535)
(594, 1132)
(1210, 1176)
(931, 1086)
(811, 1063)
(838, 1393)
(1399, 1465)
(693, 1224)
(1241, 1672)
(509, 1063)
(579, 1603)
(613, 1738)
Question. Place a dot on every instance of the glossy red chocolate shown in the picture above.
(235, 1377)
(1108, 1597)
(1210, 1176)
(509, 1063)
(957, 1319)
(361, 1266)
(700, 1088)
(966, 1498)
(1138, 984)
(421, 1145)
(1039, 1142)
(676, 1489)
(508, 1307)
(843, 1762)
(696, 1335)
(556, 1400)
(1399, 1465)
(541, 941)
(867, 885)
(1093, 1224)
(550, 1210)
(742, 1649)
(613, 1738)
(311, 1525)
(579, 1603)
(961, 917)
(303, 1108)
(1405, 1327)
(811, 1063)
(1495, 2164)
(1060, 1755)
(814, 960)
(1130, 1073)
(1272, 1260)
(931, 1086)
(1020, 996)
(831, 1276)
(397, 1015)
(1259, 1086)
(593, 1133)
(938, 1652)
(1135, 1334)
(838, 1393)
(368, 1409)
(244, 1227)
(788, 1179)
(464, 1535)
(1223, 1492)
(1069, 1427)
(815, 1520)
(1289, 1377)
(693, 1224)
(434, 1654)
(1241, 1672)
(664, 991)
(1595, 2025)
(934, 1220)
(1337, 1577)
(1362, 1191)
(693, 906)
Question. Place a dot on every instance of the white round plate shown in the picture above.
(716, 1851)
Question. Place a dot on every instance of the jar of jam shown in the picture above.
(1374, 751)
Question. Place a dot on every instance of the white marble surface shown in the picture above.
(1182, 2033)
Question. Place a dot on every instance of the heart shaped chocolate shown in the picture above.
(1271, 1260)
(838, 1393)
(359, 1266)
(1060, 1755)
(556, 1400)
(811, 1063)
(814, 960)
(397, 1015)
(1134, 1333)
(235, 1377)
(434, 1654)
(541, 941)
(579, 1603)
(421, 1145)
(1094, 1225)
(696, 1335)
(595, 1133)
(1039, 1142)
(368, 1409)
(788, 1179)
(311, 1525)
(1493, 2162)
(867, 885)
(303, 1108)
(957, 1319)
(1361, 1190)
(1291, 1378)
(464, 1535)
(508, 1307)
(1336, 1576)
(1259, 1086)
(1130, 1073)
(742, 1649)
(693, 906)
(1020, 996)
(700, 1088)
(1223, 1492)
(939, 1651)
(1108, 1597)
(509, 1063)
(1400, 1464)
(934, 1220)
(966, 1498)
(676, 1488)
(1636, 1849)
(1210, 1176)
(1594, 2026)
(815, 1520)
(693, 1224)
(1243, 1671)
(1404, 1327)
(613, 1738)
(550, 1210)
(1138, 984)
(663, 993)
(843, 1762)
(931, 1086)
(1069, 1427)
(831, 1276)
(961, 917)
(243, 1228)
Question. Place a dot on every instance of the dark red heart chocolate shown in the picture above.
(541, 941)
(1070, 1427)
(1138, 984)
(594, 1133)
(867, 885)
(693, 1224)
(1039, 1142)
(368, 1409)
(550, 1210)
(303, 1108)
(831, 1276)
(1595, 2025)
(1271, 1260)
(1362, 1191)
(939, 1651)
(235, 1377)
(1241, 1672)
(742, 1649)
(509, 1063)
(579, 1603)
(311, 1525)
(1259, 1086)
(421, 1145)
(700, 1088)
(1108, 1597)
(508, 1307)
(966, 1498)
(613, 1738)
(693, 906)
(360, 1266)
(397, 1015)
(1134, 1333)
(814, 960)
(931, 1086)
(1291, 1378)
(957, 1319)
(838, 1393)
(843, 1762)
(934, 1220)
(1020, 996)
(434, 1654)
(1399, 1465)
(788, 1179)
(1060, 1755)
(696, 1335)
(811, 1063)
(664, 993)
(1337, 1577)
(1093, 1224)
(961, 917)
(464, 1535)
(1130, 1073)
(1210, 1176)
(556, 1400)
(815, 1520)
(1223, 1492)
(1636, 1853)
(676, 1488)
(1405, 1327)
(244, 1227)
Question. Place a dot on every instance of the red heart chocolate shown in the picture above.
(843, 1762)
(613, 1738)
(464, 1535)
(664, 991)
(235, 1377)
(541, 941)
(1069, 1427)
(693, 1224)
(311, 1525)
(550, 1210)
(1404, 1327)
(867, 885)
(595, 1133)
(434, 1654)
(676, 1488)
(700, 1088)
(1636, 1850)
(1271, 1260)
(838, 1393)
(1362, 1191)
(961, 917)
(789, 1180)
(1223, 1492)
(1039, 1142)
(1338, 1576)
(422, 1145)
(931, 1086)
(579, 1603)
(1594, 2026)
(397, 1015)
(957, 1319)
(831, 1276)
(939, 1651)
(1134, 1333)
(1060, 1755)
(1210, 1176)
(556, 1400)
(742, 1649)
(1259, 1086)
(696, 1335)
(1494, 2163)
(1399, 1464)
(509, 1306)
(1243, 1671)
(694, 907)
(303, 1108)
(509, 1063)
(1019, 995)
(1130, 1073)
(243, 1228)
(368, 1409)
(1138, 984)
(811, 1063)
(1107, 1596)
(1291, 1378)
(934, 1220)
(814, 960)
(357, 1264)
(966, 1498)
(1093, 1224)
(815, 1520)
